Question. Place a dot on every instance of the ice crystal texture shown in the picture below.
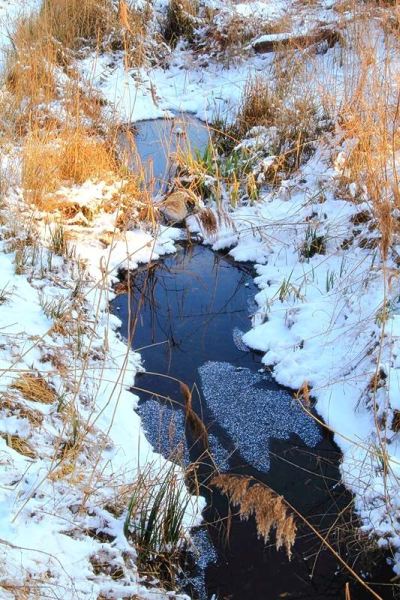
(251, 413)
(237, 335)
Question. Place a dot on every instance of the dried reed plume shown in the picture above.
(303, 394)
(207, 221)
(196, 425)
(269, 509)
(123, 14)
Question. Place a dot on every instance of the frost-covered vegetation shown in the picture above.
(301, 177)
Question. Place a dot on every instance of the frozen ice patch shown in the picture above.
(237, 335)
(165, 430)
(252, 414)
(219, 454)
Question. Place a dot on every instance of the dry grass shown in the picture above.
(19, 591)
(269, 509)
(72, 22)
(35, 388)
(289, 108)
(10, 406)
(369, 121)
(258, 105)
(19, 444)
(207, 221)
(71, 157)
(180, 20)
(44, 43)
(30, 65)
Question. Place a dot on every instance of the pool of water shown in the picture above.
(185, 315)
(156, 143)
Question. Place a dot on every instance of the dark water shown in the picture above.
(183, 312)
(157, 142)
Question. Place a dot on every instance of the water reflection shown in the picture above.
(156, 143)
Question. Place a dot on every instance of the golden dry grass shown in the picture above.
(11, 406)
(47, 40)
(369, 122)
(76, 23)
(19, 444)
(72, 22)
(269, 509)
(71, 157)
(34, 388)
(257, 106)
(30, 65)
(25, 590)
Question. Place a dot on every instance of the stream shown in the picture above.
(193, 308)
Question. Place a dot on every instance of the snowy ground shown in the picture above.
(86, 447)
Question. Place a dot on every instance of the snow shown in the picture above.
(184, 87)
(262, 10)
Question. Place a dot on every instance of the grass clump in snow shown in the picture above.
(54, 308)
(258, 105)
(9, 406)
(313, 244)
(53, 161)
(292, 117)
(50, 160)
(30, 72)
(19, 444)
(35, 388)
(73, 22)
(44, 44)
(76, 24)
(98, 23)
(154, 522)
(180, 20)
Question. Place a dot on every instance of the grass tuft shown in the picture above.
(51, 160)
(180, 20)
(154, 521)
(19, 444)
(35, 388)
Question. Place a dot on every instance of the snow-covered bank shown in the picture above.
(70, 462)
